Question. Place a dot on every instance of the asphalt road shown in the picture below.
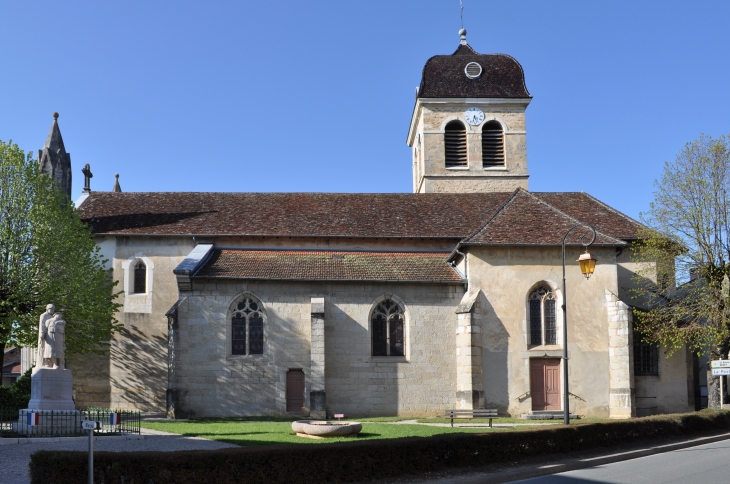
(704, 464)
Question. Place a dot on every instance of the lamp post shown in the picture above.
(587, 266)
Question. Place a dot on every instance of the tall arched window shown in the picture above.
(455, 145)
(543, 329)
(492, 144)
(387, 320)
(247, 327)
(140, 278)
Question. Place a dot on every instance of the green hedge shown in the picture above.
(17, 395)
(354, 461)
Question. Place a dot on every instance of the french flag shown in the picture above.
(115, 419)
(33, 418)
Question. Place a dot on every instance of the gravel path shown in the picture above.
(14, 458)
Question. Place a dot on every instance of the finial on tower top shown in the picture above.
(462, 35)
(116, 188)
(55, 115)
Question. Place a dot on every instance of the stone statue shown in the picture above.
(55, 341)
(51, 339)
(42, 331)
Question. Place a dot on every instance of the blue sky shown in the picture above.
(284, 96)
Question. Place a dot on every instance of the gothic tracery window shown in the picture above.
(140, 278)
(543, 329)
(388, 329)
(247, 328)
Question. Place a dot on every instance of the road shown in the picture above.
(704, 464)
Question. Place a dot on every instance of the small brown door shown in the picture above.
(295, 391)
(545, 383)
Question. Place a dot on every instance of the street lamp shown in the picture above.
(587, 265)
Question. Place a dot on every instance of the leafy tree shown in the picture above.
(47, 255)
(685, 287)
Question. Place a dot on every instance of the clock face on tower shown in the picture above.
(474, 116)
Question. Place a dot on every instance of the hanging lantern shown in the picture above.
(587, 264)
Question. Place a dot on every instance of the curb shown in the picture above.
(44, 440)
(573, 465)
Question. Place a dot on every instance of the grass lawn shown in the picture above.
(272, 431)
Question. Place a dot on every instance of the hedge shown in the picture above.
(365, 460)
(17, 395)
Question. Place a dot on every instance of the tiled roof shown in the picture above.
(290, 214)
(526, 219)
(585, 208)
(443, 76)
(329, 266)
(404, 215)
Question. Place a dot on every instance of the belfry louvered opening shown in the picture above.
(455, 145)
(492, 144)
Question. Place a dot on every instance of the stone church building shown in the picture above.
(378, 304)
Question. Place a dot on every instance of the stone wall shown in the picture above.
(133, 373)
(427, 141)
(356, 383)
(506, 275)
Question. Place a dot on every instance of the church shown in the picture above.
(449, 297)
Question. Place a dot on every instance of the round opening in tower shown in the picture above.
(473, 70)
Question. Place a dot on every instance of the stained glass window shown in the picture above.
(388, 330)
(247, 328)
(140, 278)
(543, 326)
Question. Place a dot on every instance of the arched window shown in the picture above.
(542, 316)
(247, 327)
(140, 278)
(387, 320)
(492, 144)
(455, 145)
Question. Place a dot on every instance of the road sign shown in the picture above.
(90, 425)
(720, 371)
(720, 364)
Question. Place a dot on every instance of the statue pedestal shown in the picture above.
(51, 389)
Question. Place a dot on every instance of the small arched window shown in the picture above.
(247, 328)
(492, 144)
(543, 329)
(387, 322)
(455, 145)
(140, 278)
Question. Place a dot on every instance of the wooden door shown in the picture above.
(295, 391)
(545, 383)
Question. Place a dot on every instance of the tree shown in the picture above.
(685, 287)
(47, 255)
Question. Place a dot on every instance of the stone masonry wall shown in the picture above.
(210, 381)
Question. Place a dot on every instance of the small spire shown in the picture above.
(462, 36)
(116, 188)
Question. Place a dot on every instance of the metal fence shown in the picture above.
(66, 423)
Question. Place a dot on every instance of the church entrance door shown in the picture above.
(295, 391)
(545, 383)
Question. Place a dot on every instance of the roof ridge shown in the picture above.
(556, 209)
(549, 207)
(610, 208)
(501, 207)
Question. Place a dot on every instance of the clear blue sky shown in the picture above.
(282, 96)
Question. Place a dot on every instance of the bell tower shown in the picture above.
(53, 159)
(467, 132)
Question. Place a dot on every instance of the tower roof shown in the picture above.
(54, 142)
(500, 76)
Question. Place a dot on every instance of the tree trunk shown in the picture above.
(713, 390)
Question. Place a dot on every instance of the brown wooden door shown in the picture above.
(295, 391)
(545, 383)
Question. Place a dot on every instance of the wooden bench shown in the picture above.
(489, 413)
